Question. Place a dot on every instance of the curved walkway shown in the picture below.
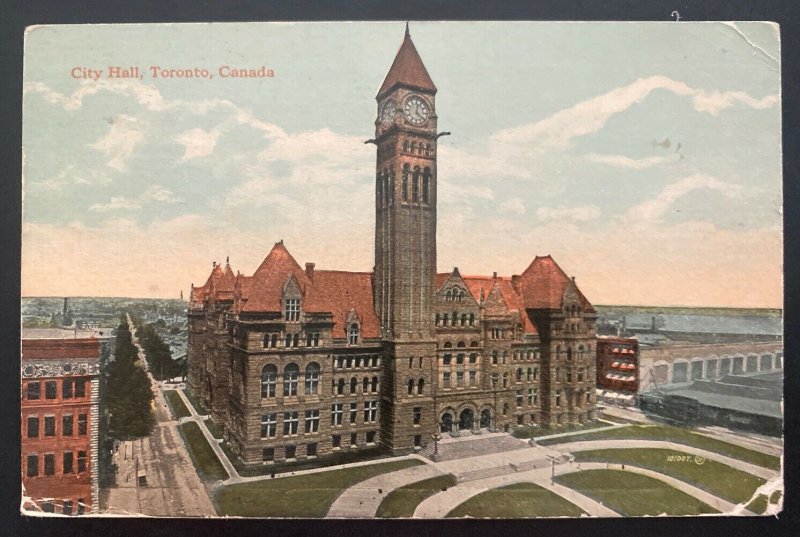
(756, 470)
(363, 499)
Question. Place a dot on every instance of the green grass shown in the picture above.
(304, 496)
(545, 430)
(679, 436)
(402, 502)
(520, 500)
(199, 407)
(631, 494)
(204, 458)
(176, 404)
(213, 428)
(714, 477)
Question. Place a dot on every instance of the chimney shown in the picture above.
(213, 264)
(494, 275)
(310, 270)
(515, 282)
(573, 279)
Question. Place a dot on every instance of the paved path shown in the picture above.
(764, 444)
(362, 500)
(759, 471)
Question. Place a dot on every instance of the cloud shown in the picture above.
(658, 206)
(120, 141)
(117, 203)
(514, 206)
(621, 161)
(198, 142)
(583, 213)
(158, 193)
(70, 176)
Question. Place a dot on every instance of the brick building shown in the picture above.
(617, 366)
(298, 363)
(59, 425)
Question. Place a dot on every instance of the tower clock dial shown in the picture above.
(387, 113)
(416, 111)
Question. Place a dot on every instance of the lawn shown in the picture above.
(631, 494)
(204, 458)
(520, 500)
(714, 477)
(176, 405)
(304, 496)
(199, 407)
(679, 436)
(545, 430)
(213, 428)
(402, 502)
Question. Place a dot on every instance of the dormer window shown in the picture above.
(353, 333)
(291, 309)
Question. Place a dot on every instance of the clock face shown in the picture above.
(416, 111)
(387, 113)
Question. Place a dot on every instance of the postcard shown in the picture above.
(402, 270)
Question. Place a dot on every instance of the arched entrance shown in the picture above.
(486, 419)
(446, 424)
(466, 420)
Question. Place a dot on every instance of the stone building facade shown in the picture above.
(59, 425)
(299, 362)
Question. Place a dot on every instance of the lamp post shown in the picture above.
(436, 437)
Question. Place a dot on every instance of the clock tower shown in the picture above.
(405, 246)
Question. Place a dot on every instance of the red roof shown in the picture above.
(339, 292)
(37, 349)
(543, 284)
(270, 277)
(407, 69)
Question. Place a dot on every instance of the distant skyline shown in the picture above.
(644, 157)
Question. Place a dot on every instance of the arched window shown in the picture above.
(290, 374)
(471, 319)
(438, 319)
(530, 373)
(448, 295)
(269, 379)
(374, 384)
(312, 378)
(448, 345)
(365, 385)
(415, 184)
(505, 409)
(494, 357)
(569, 353)
(473, 343)
(558, 351)
(580, 352)
(353, 384)
(426, 183)
(410, 386)
(505, 380)
(519, 374)
(353, 334)
(445, 319)
(404, 184)
(463, 316)
(340, 387)
(420, 386)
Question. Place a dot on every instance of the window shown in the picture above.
(81, 506)
(447, 359)
(370, 437)
(48, 507)
(311, 450)
(81, 424)
(269, 380)
(66, 425)
(81, 461)
(460, 358)
(411, 387)
(426, 180)
(532, 396)
(459, 378)
(50, 389)
(290, 423)
(34, 390)
(420, 386)
(33, 466)
(530, 374)
(353, 439)
(268, 454)
(446, 379)
(374, 385)
(505, 409)
(519, 398)
(365, 385)
(404, 182)
(494, 357)
(473, 358)
(269, 425)
(415, 185)
(312, 378)
(353, 412)
(463, 317)
(66, 389)
(558, 397)
(340, 387)
(473, 375)
(292, 309)
(67, 507)
(336, 414)
(312, 421)
(519, 374)
(352, 334)
(315, 342)
(290, 374)
(336, 441)
(417, 414)
(438, 319)
(33, 427)
(49, 464)
(417, 440)
(471, 319)
(80, 388)
(49, 425)
(353, 385)
(505, 380)
(291, 452)
(67, 462)
(370, 411)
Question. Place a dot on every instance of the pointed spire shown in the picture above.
(407, 70)
(228, 260)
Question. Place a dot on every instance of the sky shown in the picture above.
(644, 157)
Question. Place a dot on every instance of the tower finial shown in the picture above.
(408, 34)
